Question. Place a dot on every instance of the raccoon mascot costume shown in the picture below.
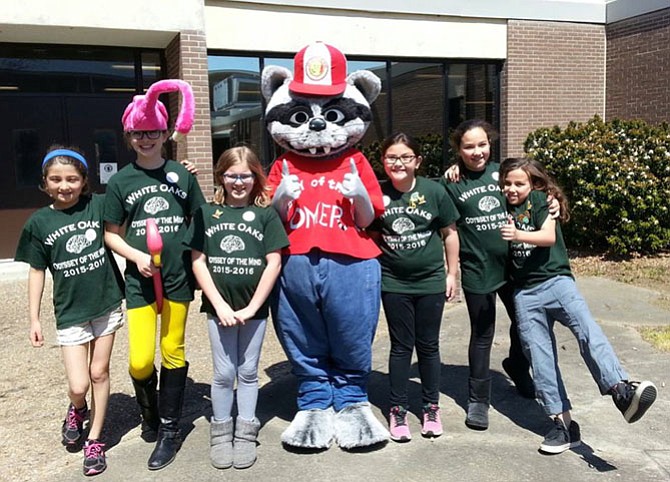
(326, 302)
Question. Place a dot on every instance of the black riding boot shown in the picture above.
(147, 399)
(171, 397)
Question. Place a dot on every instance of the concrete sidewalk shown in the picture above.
(611, 449)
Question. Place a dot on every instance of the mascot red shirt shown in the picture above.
(326, 302)
(322, 217)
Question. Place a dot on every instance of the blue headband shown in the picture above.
(65, 152)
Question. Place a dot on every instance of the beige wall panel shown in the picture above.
(355, 33)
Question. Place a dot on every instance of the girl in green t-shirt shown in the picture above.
(67, 239)
(472, 184)
(415, 233)
(236, 244)
(164, 190)
(545, 292)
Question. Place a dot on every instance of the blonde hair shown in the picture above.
(260, 193)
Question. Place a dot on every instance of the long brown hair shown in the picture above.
(540, 179)
(457, 136)
(237, 155)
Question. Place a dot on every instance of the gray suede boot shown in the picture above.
(221, 443)
(244, 444)
(478, 404)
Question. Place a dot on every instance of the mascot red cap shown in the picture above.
(320, 70)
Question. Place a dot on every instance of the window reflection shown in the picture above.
(417, 91)
(25, 150)
(236, 105)
(425, 99)
(151, 68)
(66, 69)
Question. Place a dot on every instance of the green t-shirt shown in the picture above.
(533, 265)
(170, 195)
(236, 242)
(412, 259)
(70, 243)
(481, 207)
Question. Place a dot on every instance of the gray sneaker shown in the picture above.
(73, 425)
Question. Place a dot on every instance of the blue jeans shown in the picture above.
(558, 299)
(325, 308)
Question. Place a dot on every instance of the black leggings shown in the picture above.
(482, 312)
(414, 321)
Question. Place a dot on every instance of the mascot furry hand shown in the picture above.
(328, 293)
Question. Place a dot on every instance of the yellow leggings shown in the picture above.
(142, 337)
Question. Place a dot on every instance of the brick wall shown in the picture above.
(186, 59)
(638, 68)
(554, 73)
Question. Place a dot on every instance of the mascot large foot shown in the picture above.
(312, 429)
(356, 426)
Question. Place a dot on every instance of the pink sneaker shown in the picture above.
(398, 425)
(432, 425)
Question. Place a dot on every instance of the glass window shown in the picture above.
(416, 97)
(236, 105)
(417, 93)
(27, 157)
(151, 68)
(66, 69)
(472, 94)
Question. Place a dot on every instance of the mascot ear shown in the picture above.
(272, 78)
(367, 83)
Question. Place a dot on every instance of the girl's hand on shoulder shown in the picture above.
(36, 337)
(508, 230)
(453, 174)
(190, 167)
(554, 207)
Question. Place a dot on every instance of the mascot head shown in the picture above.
(320, 111)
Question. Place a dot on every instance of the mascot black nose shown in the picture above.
(317, 124)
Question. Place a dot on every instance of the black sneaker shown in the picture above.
(94, 457)
(633, 399)
(557, 440)
(73, 425)
(521, 379)
(575, 434)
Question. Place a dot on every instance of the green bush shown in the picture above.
(431, 147)
(617, 178)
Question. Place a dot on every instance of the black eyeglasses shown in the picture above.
(139, 135)
(405, 159)
(239, 177)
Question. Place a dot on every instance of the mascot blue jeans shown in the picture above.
(325, 310)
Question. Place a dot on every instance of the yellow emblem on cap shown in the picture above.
(317, 68)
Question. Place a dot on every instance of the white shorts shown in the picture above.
(89, 330)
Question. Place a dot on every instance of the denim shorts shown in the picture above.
(89, 330)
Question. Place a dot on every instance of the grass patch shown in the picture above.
(658, 336)
(651, 272)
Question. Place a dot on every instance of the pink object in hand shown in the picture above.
(155, 246)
